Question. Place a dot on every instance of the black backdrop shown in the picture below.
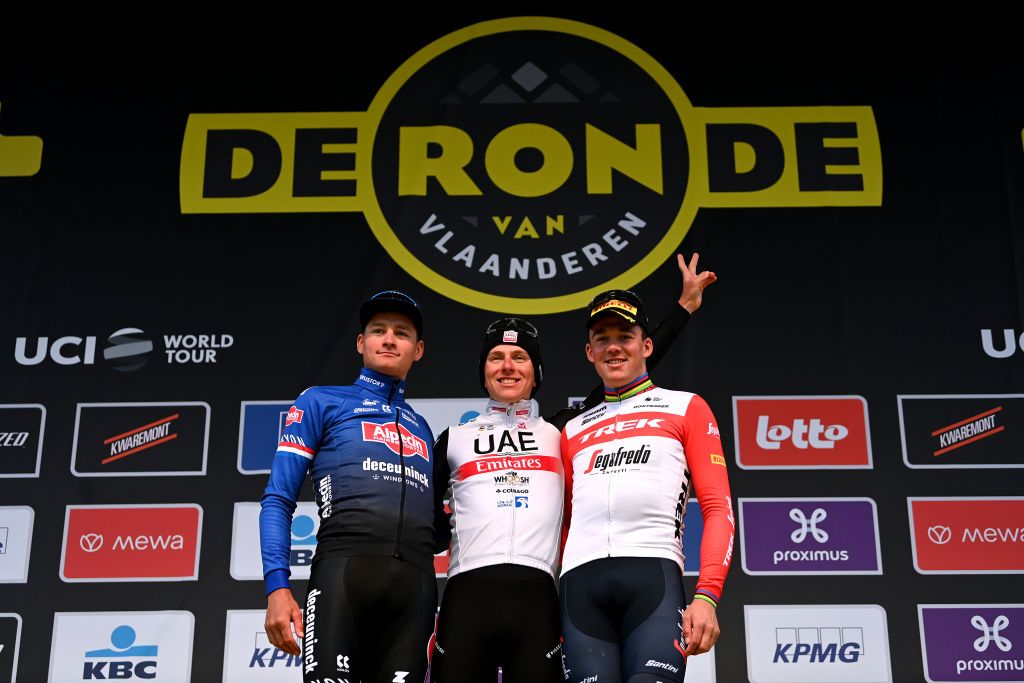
(870, 301)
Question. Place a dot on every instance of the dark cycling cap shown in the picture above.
(517, 332)
(393, 301)
(623, 303)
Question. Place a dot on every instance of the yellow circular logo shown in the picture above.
(523, 165)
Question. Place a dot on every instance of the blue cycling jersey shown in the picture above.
(370, 457)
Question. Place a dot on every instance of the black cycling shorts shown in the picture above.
(504, 616)
(368, 618)
(622, 617)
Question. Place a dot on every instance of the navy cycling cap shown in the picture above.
(391, 300)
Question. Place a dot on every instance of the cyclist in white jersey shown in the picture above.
(500, 607)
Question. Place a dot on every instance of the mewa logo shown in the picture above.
(131, 543)
(505, 166)
(967, 535)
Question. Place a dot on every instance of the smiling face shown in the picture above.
(508, 374)
(618, 350)
(389, 345)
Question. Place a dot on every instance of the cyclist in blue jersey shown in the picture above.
(372, 595)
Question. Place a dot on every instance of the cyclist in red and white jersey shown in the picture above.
(505, 474)
(631, 463)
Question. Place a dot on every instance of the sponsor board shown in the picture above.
(16, 522)
(814, 643)
(248, 654)
(970, 535)
(10, 645)
(260, 427)
(116, 543)
(498, 166)
(802, 432)
(441, 413)
(246, 560)
(21, 439)
(785, 536)
(150, 646)
(954, 431)
(972, 642)
(141, 439)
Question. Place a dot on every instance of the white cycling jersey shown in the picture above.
(631, 463)
(506, 489)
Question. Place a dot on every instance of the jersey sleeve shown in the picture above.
(298, 444)
(442, 475)
(706, 462)
(666, 332)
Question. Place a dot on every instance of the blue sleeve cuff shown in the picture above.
(277, 578)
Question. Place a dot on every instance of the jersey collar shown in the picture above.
(637, 386)
(380, 384)
(524, 408)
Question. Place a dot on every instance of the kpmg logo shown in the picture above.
(246, 563)
(10, 645)
(21, 439)
(248, 654)
(802, 432)
(144, 646)
(140, 439)
(810, 536)
(818, 644)
(131, 543)
(962, 431)
(813, 643)
(967, 535)
(126, 349)
(972, 642)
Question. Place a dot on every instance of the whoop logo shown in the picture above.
(991, 634)
(939, 534)
(509, 176)
(90, 543)
(808, 525)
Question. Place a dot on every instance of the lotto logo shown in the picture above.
(802, 432)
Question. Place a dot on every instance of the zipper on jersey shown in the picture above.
(509, 415)
(608, 501)
(401, 482)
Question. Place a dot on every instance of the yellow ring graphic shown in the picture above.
(505, 304)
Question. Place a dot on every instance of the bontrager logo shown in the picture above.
(501, 156)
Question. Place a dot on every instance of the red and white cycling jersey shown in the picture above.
(506, 489)
(630, 466)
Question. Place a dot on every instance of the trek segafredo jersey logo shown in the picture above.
(525, 164)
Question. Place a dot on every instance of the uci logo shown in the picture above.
(525, 164)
